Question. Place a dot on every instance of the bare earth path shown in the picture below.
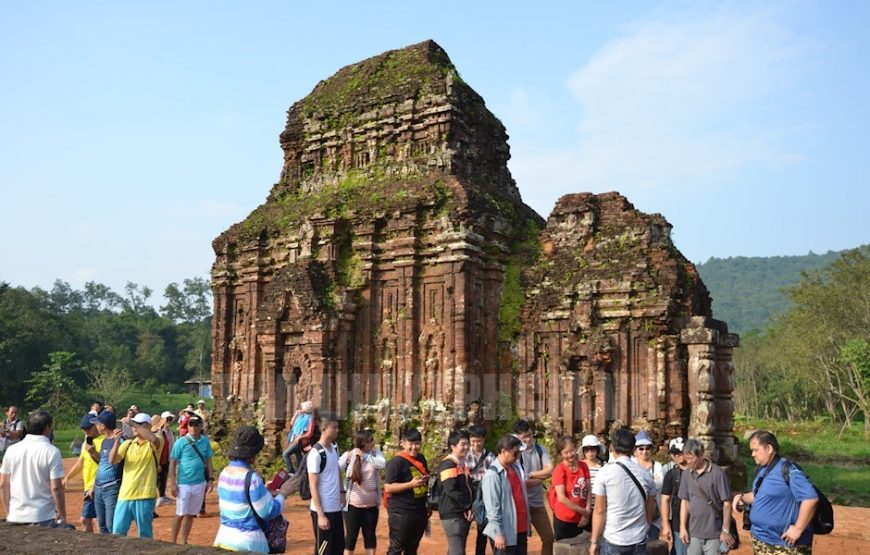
(851, 536)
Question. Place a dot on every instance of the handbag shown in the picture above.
(732, 527)
(275, 530)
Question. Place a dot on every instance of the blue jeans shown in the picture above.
(294, 451)
(679, 547)
(613, 549)
(105, 499)
(140, 510)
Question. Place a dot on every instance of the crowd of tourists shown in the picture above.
(620, 497)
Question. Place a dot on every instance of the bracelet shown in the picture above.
(726, 531)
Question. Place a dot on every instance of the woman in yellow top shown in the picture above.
(138, 494)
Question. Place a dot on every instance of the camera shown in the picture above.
(745, 508)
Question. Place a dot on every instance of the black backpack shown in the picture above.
(478, 508)
(433, 496)
(304, 485)
(823, 520)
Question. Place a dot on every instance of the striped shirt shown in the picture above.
(366, 494)
(239, 530)
(593, 472)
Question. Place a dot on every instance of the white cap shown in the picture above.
(676, 444)
(142, 418)
(166, 414)
(200, 402)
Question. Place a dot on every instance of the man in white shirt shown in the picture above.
(324, 477)
(624, 501)
(31, 477)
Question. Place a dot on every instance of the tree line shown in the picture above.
(56, 344)
(814, 359)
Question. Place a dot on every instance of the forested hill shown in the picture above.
(747, 291)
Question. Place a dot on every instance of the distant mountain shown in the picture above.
(747, 291)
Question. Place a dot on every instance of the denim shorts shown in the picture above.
(89, 510)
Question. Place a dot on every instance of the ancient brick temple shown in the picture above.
(394, 275)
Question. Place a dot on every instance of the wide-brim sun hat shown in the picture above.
(592, 440)
(246, 443)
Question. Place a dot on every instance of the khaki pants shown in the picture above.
(544, 528)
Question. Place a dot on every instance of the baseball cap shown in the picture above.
(142, 418)
(675, 445)
(107, 418)
(88, 420)
(166, 414)
(194, 421)
(642, 438)
(200, 402)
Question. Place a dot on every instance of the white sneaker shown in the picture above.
(164, 501)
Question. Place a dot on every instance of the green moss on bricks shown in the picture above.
(525, 249)
(408, 73)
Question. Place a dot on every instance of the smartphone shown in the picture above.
(89, 440)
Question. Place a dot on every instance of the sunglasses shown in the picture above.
(644, 448)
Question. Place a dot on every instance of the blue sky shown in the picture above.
(134, 133)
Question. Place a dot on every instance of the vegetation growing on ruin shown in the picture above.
(524, 252)
(410, 72)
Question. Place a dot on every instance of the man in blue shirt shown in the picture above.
(781, 512)
(107, 483)
(191, 471)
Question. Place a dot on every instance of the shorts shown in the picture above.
(89, 510)
(189, 500)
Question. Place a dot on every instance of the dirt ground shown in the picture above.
(851, 536)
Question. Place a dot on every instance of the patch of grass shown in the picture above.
(838, 467)
(63, 438)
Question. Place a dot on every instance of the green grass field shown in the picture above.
(151, 403)
(837, 465)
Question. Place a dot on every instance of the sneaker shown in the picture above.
(164, 501)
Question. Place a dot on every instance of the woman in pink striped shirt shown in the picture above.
(362, 467)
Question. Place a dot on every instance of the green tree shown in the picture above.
(54, 388)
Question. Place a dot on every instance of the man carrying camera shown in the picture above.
(781, 511)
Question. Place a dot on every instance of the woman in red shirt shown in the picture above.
(569, 491)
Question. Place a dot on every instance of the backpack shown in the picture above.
(433, 496)
(478, 508)
(304, 484)
(823, 519)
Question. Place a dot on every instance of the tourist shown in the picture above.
(624, 498)
(240, 506)
(12, 430)
(593, 454)
(478, 460)
(454, 503)
(202, 412)
(362, 467)
(138, 494)
(535, 460)
(86, 464)
(569, 491)
(110, 408)
(506, 500)
(185, 415)
(406, 483)
(300, 435)
(96, 408)
(107, 482)
(670, 503)
(326, 490)
(165, 421)
(191, 473)
(781, 511)
(643, 452)
(31, 476)
(704, 493)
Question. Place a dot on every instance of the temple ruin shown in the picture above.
(394, 275)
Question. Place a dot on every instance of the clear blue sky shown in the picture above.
(133, 133)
